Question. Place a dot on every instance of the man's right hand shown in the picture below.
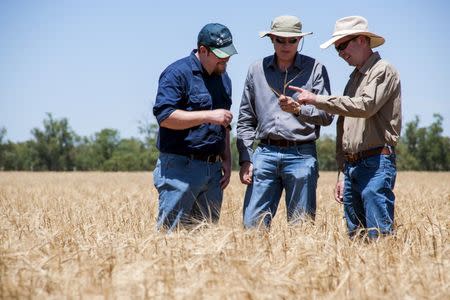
(220, 117)
(339, 191)
(305, 96)
(246, 172)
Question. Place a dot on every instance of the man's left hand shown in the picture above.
(288, 104)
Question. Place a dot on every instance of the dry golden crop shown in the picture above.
(92, 235)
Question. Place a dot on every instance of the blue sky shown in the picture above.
(97, 63)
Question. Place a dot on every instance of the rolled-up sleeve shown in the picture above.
(321, 86)
(247, 122)
(170, 92)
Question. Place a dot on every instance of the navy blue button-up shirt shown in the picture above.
(185, 85)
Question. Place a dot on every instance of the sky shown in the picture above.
(97, 63)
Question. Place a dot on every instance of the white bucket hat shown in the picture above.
(353, 25)
(285, 26)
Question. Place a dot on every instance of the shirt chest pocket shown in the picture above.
(200, 101)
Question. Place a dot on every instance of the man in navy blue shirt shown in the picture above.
(192, 108)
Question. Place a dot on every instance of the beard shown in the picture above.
(219, 69)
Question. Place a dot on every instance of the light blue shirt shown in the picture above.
(260, 115)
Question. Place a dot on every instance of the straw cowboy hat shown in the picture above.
(353, 25)
(285, 26)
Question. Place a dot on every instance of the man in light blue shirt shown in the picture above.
(286, 155)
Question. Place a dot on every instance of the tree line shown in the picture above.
(56, 147)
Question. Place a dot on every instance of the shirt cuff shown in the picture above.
(306, 110)
(245, 156)
(164, 114)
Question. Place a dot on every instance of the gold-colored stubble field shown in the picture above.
(92, 235)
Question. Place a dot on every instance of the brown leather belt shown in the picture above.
(204, 157)
(354, 157)
(283, 143)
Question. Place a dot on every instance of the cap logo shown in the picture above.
(220, 41)
(218, 38)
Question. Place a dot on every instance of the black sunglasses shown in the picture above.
(344, 45)
(290, 41)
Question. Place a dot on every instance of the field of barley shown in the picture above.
(92, 235)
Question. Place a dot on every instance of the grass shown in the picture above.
(91, 235)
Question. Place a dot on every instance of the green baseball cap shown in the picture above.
(218, 39)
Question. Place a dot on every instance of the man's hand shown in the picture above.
(305, 96)
(288, 104)
(246, 172)
(339, 192)
(220, 117)
(226, 170)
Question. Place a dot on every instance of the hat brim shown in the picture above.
(224, 52)
(283, 33)
(375, 40)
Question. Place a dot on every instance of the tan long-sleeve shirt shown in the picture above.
(370, 110)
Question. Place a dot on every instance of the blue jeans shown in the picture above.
(368, 195)
(274, 169)
(189, 190)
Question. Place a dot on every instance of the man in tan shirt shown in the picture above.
(368, 128)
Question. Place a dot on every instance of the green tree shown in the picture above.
(149, 132)
(54, 145)
(438, 147)
(86, 158)
(405, 160)
(326, 153)
(129, 155)
(19, 156)
(407, 147)
(57, 147)
(104, 144)
(422, 148)
(234, 154)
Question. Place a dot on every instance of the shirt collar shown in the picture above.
(372, 60)
(297, 62)
(195, 62)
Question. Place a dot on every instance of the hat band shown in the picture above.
(347, 32)
(286, 29)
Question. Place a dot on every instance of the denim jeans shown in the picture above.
(189, 190)
(368, 195)
(293, 169)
